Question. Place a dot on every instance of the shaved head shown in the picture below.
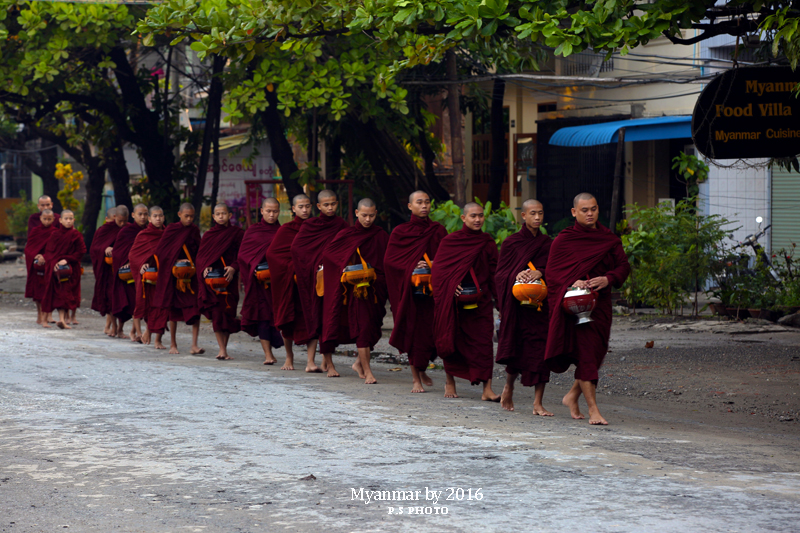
(270, 200)
(222, 206)
(139, 206)
(469, 206)
(111, 212)
(122, 210)
(366, 202)
(325, 193)
(44, 197)
(156, 209)
(185, 207)
(527, 204)
(582, 196)
(66, 212)
(47, 212)
(300, 197)
(413, 194)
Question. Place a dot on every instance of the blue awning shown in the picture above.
(638, 129)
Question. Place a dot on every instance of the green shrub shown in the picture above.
(18, 215)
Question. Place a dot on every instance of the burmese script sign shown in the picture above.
(749, 112)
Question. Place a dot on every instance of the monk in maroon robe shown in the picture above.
(413, 313)
(287, 309)
(178, 298)
(141, 259)
(219, 251)
(35, 286)
(307, 249)
(587, 256)
(257, 312)
(123, 298)
(523, 328)
(65, 248)
(44, 203)
(103, 238)
(466, 262)
(355, 314)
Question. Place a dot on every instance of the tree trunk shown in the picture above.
(46, 170)
(215, 182)
(95, 181)
(456, 137)
(333, 157)
(213, 110)
(498, 174)
(281, 149)
(118, 172)
(431, 184)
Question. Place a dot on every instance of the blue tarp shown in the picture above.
(638, 129)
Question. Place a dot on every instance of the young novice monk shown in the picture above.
(64, 249)
(35, 285)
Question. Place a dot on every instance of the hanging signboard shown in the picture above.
(749, 112)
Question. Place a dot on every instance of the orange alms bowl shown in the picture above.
(530, 293)
(109, 260)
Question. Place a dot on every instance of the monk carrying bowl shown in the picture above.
(580, 302)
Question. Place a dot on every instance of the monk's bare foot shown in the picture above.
(136, 339)
(450, 391)
(146, 337)
(62, 325)
(313, 369)
(359, 370)
(571, 401)
(541, 411)
(323, 366)
(196, 350)
(486, 397)
(46, 325)
(74, 322)
(289, 364)
(596, 419)
(160, 346)
(107, 331)
(332, 373)
(370, 379)
(173, 349)
(426, 379)
(417, 387)
(270, 361)
(507, 397)
(224, 357)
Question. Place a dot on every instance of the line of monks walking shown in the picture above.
(319, 283)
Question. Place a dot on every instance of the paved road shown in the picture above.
(96, 435)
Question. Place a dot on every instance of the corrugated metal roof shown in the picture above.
(638, 129)
(785, 214)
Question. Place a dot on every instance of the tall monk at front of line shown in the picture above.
(523, 328)
(464, 292)
(177, 297)
(103, 238)
(219, 256)
(354, 313)
(142, 259)
(411, 246)
(587, 256)
(123, 299)
(307, 249)
(35, 285)
(287, 307)
(62, 256)
(258, 319)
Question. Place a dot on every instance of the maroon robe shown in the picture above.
(142, 252)
(464, 336)
(37, 241)
(34, 221)
(123, 296)
(288, 311)
(413, 315)
(307, 249)
(257, 313)
(218, 244)
(360, 320)
(523, 329)
(180, 306)
(103, 238)
(63, 244)
(581, 253)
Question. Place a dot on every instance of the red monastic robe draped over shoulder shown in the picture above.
(464, 336)
(103, 238)
(360, 320)
(181, 306)
(581, 253)
(63, 244)
(220, 243)
(123, 298)
(142, 252)
(307, 249)
(35, 220)
(257, 313)
(413, 315)
(37, 242)
(288, 312)
(523, 329)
